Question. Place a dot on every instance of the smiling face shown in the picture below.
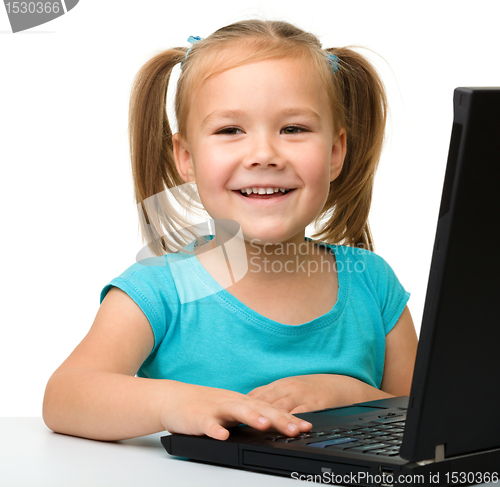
(264, 125)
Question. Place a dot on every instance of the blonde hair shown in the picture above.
(358, 103)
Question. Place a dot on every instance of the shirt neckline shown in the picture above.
(228, 300)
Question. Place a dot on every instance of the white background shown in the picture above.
(68, 214)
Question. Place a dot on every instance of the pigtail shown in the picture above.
(151, 148)
(344, 217)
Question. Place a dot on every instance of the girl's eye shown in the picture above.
(229, 131)
(293, 129)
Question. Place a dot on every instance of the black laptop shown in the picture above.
(447, 432)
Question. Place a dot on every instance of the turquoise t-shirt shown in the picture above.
(218, 341)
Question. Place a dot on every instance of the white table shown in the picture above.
(33, 456)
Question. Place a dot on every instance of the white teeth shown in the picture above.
(262, 190)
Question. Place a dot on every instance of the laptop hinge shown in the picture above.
(438, 457)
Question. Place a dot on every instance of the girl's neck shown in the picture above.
(255, 261)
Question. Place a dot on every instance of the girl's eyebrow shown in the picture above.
(302, 112)
(287, 112)
(222, 114)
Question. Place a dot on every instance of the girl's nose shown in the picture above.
(264, 153)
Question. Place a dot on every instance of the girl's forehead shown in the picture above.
(278, 74)
(234, 58)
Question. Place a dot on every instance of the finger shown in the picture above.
(288, 403)
(288, 424)
(234, 412)
(209, 426)
(262, 416)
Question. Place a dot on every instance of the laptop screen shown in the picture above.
(455, 391)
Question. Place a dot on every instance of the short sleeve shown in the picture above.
(391, 295)
(151, 288)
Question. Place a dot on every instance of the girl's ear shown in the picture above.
(182, 158)
(338, 154)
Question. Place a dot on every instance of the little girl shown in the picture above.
(277, 133)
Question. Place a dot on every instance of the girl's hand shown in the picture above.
(304, 393)
(199, 410)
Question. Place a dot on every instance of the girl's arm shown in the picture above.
(400, 353)
(95, 393)
(320, 391)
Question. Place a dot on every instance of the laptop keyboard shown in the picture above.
(376, 439)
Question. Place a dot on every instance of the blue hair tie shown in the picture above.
(333, 61)
(192, 40)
